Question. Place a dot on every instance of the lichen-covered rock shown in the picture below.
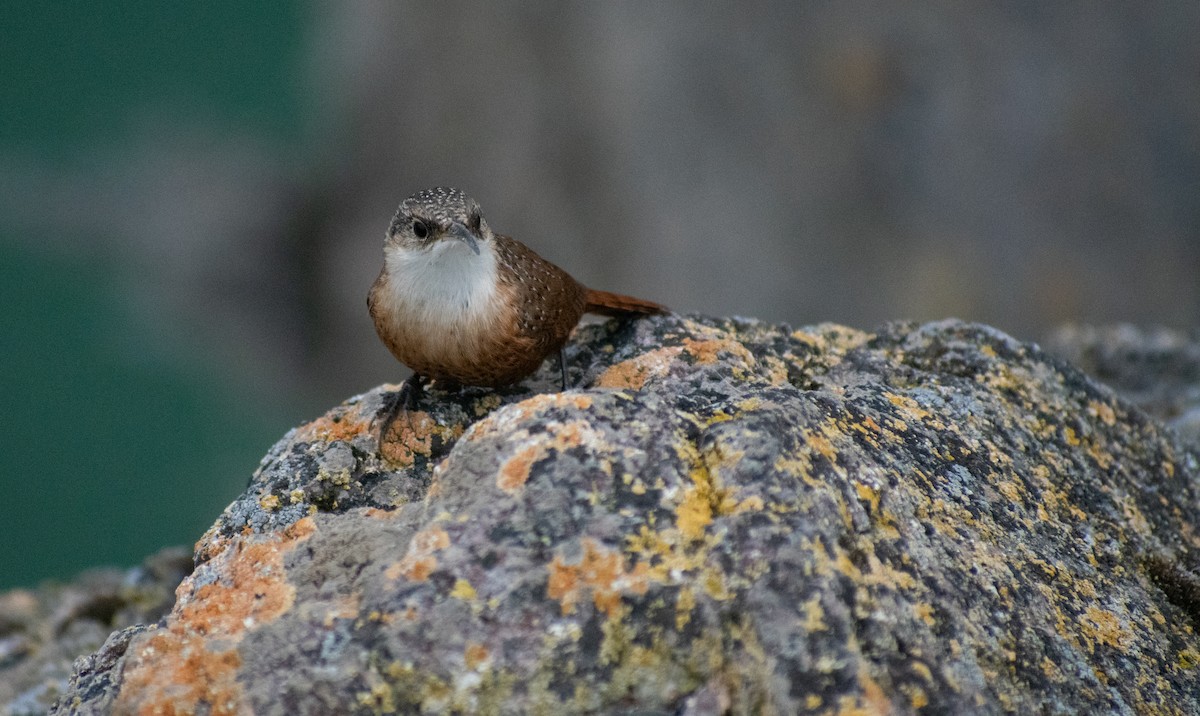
(1157, 369)
(721, 517)
(43, 630)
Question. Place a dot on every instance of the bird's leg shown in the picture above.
(406, 399)
(412, 391)
(562, 365)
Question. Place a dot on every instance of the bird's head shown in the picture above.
(439, 219)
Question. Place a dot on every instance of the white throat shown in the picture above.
(446, 284)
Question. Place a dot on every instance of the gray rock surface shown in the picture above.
(43, 630)
(722, 516)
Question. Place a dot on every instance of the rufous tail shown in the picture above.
(614, 304)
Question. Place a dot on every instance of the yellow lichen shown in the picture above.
(814, 615)
(684, 604)
(463, 590)
(1104, 627)
(693, 515)
(908, 406)
(1102, 411)
(1188, 659)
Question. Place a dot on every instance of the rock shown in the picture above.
(723, 516)
(1157, 369)
(43, 630)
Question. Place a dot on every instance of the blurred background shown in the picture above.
(193, 198)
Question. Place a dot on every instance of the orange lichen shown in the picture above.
(475, 655)
(430, 540)
(417, 568)
(345, 606)
(409, 435)
(301, 529)
(377, 513)
(193, 659)
(601, 571)
(193, 674)
(506, 421)
(871, 701)
(255, 587)
(342, 423)
(705, 352)
(577, 401)
(515, 471)
(419, 561)
(635, 372)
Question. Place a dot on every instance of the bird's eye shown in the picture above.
(420, 229)
(473, 222)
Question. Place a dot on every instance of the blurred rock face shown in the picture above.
(854, 162)
(43, 630)
(1157, 369)
(723, 516)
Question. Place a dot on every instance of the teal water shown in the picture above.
(112, 444)
(117, 437)
(81, 74)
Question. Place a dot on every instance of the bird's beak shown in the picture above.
(460, 231)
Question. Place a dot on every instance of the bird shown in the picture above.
(459, 303)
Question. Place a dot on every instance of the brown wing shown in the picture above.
(551, 301)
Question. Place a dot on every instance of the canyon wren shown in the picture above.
(457, 302)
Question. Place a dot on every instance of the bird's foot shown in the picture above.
(405, 400)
